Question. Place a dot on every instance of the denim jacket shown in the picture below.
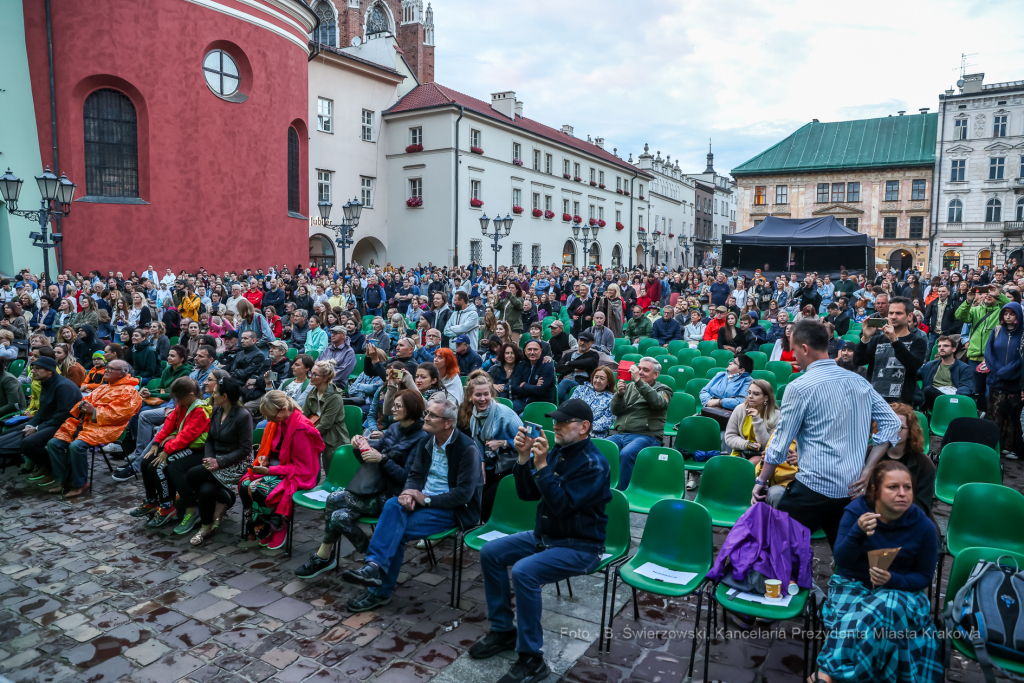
(573, 490)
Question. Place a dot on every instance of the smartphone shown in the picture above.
(533, 430)
(396, 373)
(977, 290)
(371, 342)
(875, 322)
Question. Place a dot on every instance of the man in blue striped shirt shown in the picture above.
(828, 412)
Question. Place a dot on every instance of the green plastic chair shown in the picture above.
(16, 367)
(677, 345)
(948, 408)
(851, 338)
(343, 468)
(621, 351)
(619, 341)
(504, 401)
(767, 376)
(668, 381)
(780, 393)
(923, 421)
(174, 340)
(632, 357)
(358, 369)
(510, 515)
(699, 433)
(353, 420)
(963, 564)
(706, 347)
(682, 374)
(257, 437)
(464, 380)
(794, 376)
(722, 357)
(677, 536)
(986, 516)
(781, 368)
(722, 488)
(292, 353)
(646, 343)
(693, 388)
(713, 372)
(760, 359)
(687, 355)
(766, 324)
(682, 406)
(965, 463)
(524, 340)
(534, 412)
(667, 361)
(767, 349)
(611, 451)
(657, 474)
(616, 543)
(702, 364)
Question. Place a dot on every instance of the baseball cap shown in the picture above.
(462, 339)
(279, 344)
(722, 309)
(587, 336)
(573, 409)
(231, 334)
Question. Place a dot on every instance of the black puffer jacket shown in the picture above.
(396, 443)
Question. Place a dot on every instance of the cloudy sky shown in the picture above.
(674, 73)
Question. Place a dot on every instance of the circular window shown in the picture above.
(221, 73)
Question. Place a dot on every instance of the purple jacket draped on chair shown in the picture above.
(767, 541)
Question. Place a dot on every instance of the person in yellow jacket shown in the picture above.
(190, 303)
(785, 474)
(97, 420)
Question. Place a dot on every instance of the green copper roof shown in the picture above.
(868, 143)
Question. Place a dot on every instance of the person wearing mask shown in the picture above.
(753, 422)
(1003, 377)
(493, 427)
(666, 329)
(638, 327)
(442, 490)
(571, 481)
(468, 359)
(533, 380)
(576, 367)
(893, 357)
(640, 406)
(945, 374)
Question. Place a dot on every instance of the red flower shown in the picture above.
(671, 234)
(476, 203)
(517, 162)
(476, 150)
(577, 178)
(601, 224)
(593, 221)
(601, 186)
(414, 148)
(618, 190)
(413, 202)
(625, 193)
(619, 226)
(537, 213)
(593, 183)
(566, 176)
(566, 217)
(641, 196)
(576, 219)
(549, 214)
(517, 210)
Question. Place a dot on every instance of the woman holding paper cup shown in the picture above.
(885, 558)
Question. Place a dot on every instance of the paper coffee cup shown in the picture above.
(773, 589)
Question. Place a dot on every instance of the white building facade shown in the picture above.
(979, 172)
(671, 201)
(723, 202)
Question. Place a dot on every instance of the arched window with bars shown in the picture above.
(294, 205)
(110, 125)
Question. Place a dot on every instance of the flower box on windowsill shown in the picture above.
(567, 176)
(625, 193)
(577, 179)
(476, 150)
(414, 148)
(641, 197)
(593, 184)
(602, 186)
(592, 221)
(601, 223)
(566, 217)
(476, 203)
(619, 226)
(517, 210)
(537, 213)
(414, 202)
(549, 215)
(517, 162)
(619, 191)
(577, 219)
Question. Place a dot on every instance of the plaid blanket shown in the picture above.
(879, 635)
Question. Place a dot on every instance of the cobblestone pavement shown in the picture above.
(88, 594)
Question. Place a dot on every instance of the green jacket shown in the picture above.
(638, 327)
(331, 409)
(512, 312)
(983, 319)
(642, 408)
(167, 377)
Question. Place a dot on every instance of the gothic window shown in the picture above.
(328, 31)
(377, 21)
(111, 145)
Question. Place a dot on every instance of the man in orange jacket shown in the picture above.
(97, 420)
(715, 324)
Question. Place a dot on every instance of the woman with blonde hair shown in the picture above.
(493, 426)
(326, 410)
(88, 315)
(504, 332)
(611, 305)
(67, 366)
(287, 461)
(752, 422)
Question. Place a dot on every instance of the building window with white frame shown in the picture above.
(324, 115)
(958, 170)
(600, 177)
(536, 160)
(517, 253)
(1019, 214)
(960, 129)
(782, 194)
(474, 138)
(474, 189)
(993, 211)
(366, 187)
(517, 196)
(547, 202)
(367, 125)
(593, 174)
(618, 216)
(576, 170)
(575, 208)
(999, 126)
(995, 168)
(323, 186)
(618, 182)
(536, 200)
(416, 136)
(565, 206)
(535, 256)
(955, 214)
(415, 187)
(548, 161)
(565, 167)
(592, 212)
(600, 213)
(517, 151)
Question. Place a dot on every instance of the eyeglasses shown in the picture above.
(431, 416)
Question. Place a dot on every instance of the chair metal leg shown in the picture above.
(604, 609)
(611, 607)
(636, 607)
(558, 589)
(938, 582)
(567, 583)
(707, 634)
(92, 465)
(456, 565)
(291, 529)
(808, 608)
(430, 553)
(696, 627)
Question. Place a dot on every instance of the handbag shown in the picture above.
(366, 481)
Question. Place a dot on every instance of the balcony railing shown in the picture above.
(1013, 226)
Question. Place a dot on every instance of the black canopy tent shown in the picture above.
(823, 245)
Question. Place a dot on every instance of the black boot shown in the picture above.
(493, 643)
(527, 669)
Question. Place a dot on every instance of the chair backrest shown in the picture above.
(714, 372)
(782, 369)
(359, 365)
(524, 340)
(257, 437)
(464, 379)
(722, 357)
(535, 412)
(702, 364)
(760, 359)
(780, 392)
(686, 355)
(623, 349)
(766, 324)
(851, 338)
(667, 361)
(706, 347)
(632, 357)
(986, 516)
(153, 383)
(767, 376)
(617, 537)
(724, 481)
(668, 380)
(677, 536)
(694, 386)
(658, 472)
(353, 420)
(923, 421)
(611, 451)
(965, 463)
(646, 343)
(504, 401)
(173, 340)
(767, 349)
(344, 465)
(680, 407)
(677, 345)
(511, 514)
(947, 408)
(16, 367)
(291, 353)
(682, 374)
(699, 433)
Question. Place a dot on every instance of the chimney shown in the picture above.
(814, 121)
(567, 129)
(646, 158)
(519, 109)
(971, 83)
(924, 110)
(902, 112)
(504, 103)
(599, 142)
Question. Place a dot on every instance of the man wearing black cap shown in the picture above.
(575, 367)
(468, 359)
(571, 481)
(227, 357)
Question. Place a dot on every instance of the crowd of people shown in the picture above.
(217, 389)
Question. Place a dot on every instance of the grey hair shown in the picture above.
(301, 312)
(120, 366)
(652, 361)
(451, 410)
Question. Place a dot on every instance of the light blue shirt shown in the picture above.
(437, 478)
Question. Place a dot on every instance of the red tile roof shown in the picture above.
(429, 95)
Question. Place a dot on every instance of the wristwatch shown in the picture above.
(426, 501)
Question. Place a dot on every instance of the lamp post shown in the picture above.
(502, 228)
(648, 245)
(344, 230)
(53, 191)
(586, 239)
(685, 244)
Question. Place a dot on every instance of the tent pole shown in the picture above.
(789, 257)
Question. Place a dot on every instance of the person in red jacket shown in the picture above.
(715, 324)
(176, 449)
(254, 295)
(652, 290)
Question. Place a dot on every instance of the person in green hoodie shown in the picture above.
(639, 326)
(144, 360)
(981, 311)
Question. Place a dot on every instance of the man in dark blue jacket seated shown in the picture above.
(468, 359)
(533, 380)
(443, 490)
(667, 328)
(778, 328)
(571, 481)
(945, 375)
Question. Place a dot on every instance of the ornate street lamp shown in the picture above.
(502, 228)
(344, 230)
(54, 192)
(589, 235)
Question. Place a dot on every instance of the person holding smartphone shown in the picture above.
(894, 356)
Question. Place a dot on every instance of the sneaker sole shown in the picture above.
(381, 603)
(350, 577)
(539, 676)
(277, 547)
(126, 477)
(161, 522)
(332, 565)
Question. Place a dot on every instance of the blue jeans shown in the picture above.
(564, 386)
(630, 446)
(69, 459)
(397, 526)
(533, 566)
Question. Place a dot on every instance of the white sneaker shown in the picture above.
(112, 448)
(691, 483)
(421, 544)
(1012, 456)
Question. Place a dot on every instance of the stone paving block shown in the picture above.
(214, 609)
(148, 652)
(279, 658)
(188, 634)
(43, 672)
(197, 603)
(260, 596)
(363, 664)
(83, 633)
(110, 670)
(258, 671)
(286, 609)
(168, 669)
(405, 672)
(247, 580)
(297, 671)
